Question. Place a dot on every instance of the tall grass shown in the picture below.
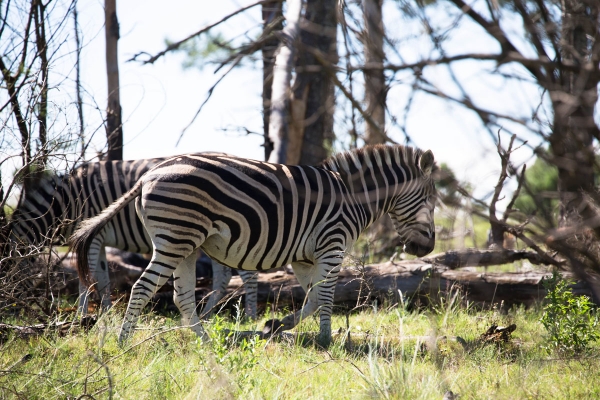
(391, 352)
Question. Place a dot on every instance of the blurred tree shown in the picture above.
(279, 119)
(375, 87)
(21, 69)
(447, 185)
(574, 95)
(313, 101)
(114, 123)
(540, 189)
(272, 15)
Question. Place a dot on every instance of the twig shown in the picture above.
(176, 45)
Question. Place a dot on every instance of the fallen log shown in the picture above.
(419, 281)
(484, 258)
(415, 281)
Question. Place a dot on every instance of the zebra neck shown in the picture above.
(374, 206)
(46, 216)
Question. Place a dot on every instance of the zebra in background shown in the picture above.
(50, 211)
(255, 216)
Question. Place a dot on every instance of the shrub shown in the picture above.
(570, 320)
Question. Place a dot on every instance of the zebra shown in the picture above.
(51, 209)
(255, 216)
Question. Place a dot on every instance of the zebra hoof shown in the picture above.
(272, 326)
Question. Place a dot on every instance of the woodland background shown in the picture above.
(525, 73)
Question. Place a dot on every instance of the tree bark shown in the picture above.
(375, 90)
(313, 102)
(42, 106)
(270, 12)
(78, 80)
(282, 74)
(114, 125)
(574, 101)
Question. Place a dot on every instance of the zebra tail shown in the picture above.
(81, 240)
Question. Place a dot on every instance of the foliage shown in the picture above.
(204, 50)
(446, 185)
(224, 342)
(570, 320)
(541, 181)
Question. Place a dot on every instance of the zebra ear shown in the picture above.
(426, 162)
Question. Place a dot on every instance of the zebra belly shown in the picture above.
(216, 248)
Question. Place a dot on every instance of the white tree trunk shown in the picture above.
(114, 128)
(282, 75)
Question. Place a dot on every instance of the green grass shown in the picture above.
(391, 354)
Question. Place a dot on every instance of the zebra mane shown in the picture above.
(403, 155)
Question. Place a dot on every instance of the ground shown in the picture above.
(391, 352)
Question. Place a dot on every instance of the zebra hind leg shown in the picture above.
(103, 281)
(250, 279)
(161, 267)
(95, 255)
(184, 295)
(221, 278)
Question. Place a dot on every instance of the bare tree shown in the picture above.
(313, 101)
(272, 19)
(574, 94)
(34, 136)
(279, 121)
(559, 53)
(375, 88)
(78, 78)
(114, 123)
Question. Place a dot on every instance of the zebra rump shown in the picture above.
(50, 210)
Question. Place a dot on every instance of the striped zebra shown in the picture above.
(255, 216)
(49, 212)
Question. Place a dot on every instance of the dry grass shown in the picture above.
(392, 353)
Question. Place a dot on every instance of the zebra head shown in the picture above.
(412, 212)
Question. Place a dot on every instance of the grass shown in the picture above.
(391, 354)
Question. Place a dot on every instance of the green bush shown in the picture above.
(571, 320)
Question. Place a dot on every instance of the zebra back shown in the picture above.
(49, 212)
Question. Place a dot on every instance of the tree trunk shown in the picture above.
(573, 101)
(42, 106)
(114, 125)
(78, 80)
(313, 102)
(279, 118)
(375, 90)
(270, 12)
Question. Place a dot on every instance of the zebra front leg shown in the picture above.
(319, 283)
(250, 279)
(329, 272)
(221, 278)
(305, 275)
(184, 295)
(161, 267)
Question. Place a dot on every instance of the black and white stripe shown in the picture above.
(49, 212)
(255, 216)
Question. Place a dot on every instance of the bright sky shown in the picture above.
(159, 100)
